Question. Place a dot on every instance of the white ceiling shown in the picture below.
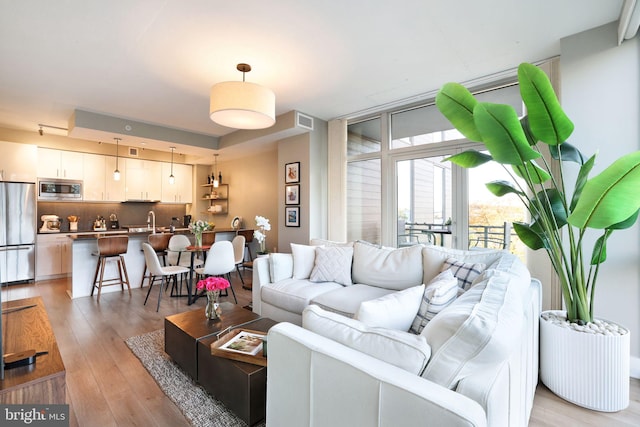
(154, 61)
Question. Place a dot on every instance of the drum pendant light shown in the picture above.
(242, 105)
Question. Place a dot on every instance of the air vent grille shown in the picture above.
(304, 121)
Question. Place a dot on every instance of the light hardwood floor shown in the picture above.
(107, 385)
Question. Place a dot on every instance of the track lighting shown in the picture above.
(41, 131)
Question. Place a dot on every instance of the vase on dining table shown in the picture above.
(212, 310)
(198, 239)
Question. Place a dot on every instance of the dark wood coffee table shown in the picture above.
(183, 331)
(241, 386)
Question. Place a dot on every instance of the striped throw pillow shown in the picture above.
(441, 291)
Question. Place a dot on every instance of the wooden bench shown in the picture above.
(44, 381)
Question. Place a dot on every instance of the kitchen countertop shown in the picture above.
(85, 235)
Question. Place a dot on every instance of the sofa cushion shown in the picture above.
(481, 327)
(332, 264)
(433, 257)
(406, 351)
(347, 300)
(465, 272)
(280, 266)
(294, 294)
(392, 311)
(387, 267)
(438, 294)
(304, 258)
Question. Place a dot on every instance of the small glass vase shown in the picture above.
(212, 310)
(198, 239)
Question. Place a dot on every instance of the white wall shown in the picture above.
(601, 94)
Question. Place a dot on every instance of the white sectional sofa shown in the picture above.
(336, 361)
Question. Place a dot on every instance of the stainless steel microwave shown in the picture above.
(59, 189)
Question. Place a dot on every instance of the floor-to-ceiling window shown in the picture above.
(364, 181)
(401, 190)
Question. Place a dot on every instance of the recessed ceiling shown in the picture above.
(155, 61)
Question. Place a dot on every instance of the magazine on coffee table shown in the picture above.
(249, 343)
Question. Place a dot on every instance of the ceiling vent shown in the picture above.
(304, 121)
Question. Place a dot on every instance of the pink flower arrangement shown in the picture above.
(213, 283)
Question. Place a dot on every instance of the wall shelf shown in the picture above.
(217, 196)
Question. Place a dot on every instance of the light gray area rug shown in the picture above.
(200, 408)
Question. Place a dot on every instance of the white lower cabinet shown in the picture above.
(53, 256)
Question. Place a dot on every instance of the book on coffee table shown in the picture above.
(241, 344)
(244, 342)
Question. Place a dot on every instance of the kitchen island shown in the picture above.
(84, 263)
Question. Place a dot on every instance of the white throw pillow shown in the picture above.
(439, 293)
(304, 258)
(333, 264)
(393, 311)
(388, 268)
(280, 266)
(404, 350)
(465, 272)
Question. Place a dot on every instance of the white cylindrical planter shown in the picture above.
(588, 369)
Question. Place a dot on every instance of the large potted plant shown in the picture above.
(561, 213)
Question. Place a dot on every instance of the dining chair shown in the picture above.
(238, 253)
(183, 259)
(156, 270)
(176, 243)
(220, 262)
(159, 242)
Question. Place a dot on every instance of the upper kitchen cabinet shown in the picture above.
(59, 164)
(143, 179)
(181, 190)
(99, 184)
(18, 162)
(115, 191)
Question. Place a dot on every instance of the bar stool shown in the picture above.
(110, 248)
(159, 242)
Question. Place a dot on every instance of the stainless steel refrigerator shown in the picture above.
(17, 231)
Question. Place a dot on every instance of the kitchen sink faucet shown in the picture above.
(151, 216)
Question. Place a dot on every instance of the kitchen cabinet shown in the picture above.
(114, 190)
(53, 255)
(99, 184)
(18, 162)
(218, 198)
(59, 164)
(93, 177)
(143, 179)
(181, 190)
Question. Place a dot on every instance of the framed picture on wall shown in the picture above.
(292, 194)
(292, 216)
(292, 173)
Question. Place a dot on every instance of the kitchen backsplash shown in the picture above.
(128, 213)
